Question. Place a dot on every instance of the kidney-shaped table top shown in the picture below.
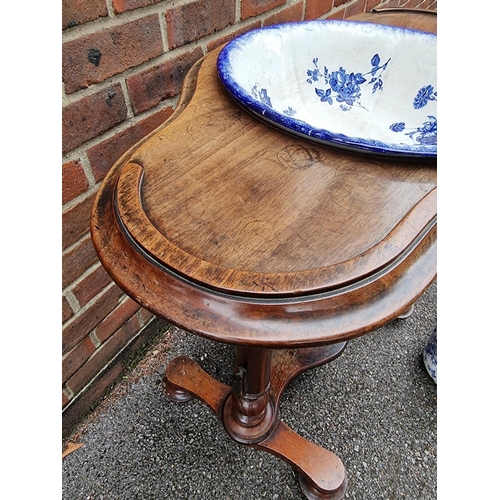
(241, 233)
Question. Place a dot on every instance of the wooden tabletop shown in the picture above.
(217, 204)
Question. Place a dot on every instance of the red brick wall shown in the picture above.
(123, 62)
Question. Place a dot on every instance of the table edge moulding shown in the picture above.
(267, 275)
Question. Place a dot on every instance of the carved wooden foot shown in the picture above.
(249, 409)
(185, 379)
(321, 473)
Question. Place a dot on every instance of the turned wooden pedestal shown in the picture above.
(243, 234)
(249, 409)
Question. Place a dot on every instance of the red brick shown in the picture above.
(425, 4)
(197, 19)
(120, 6)
(293, 13)
(94, 58)
(75, 359)
(226, 38)
(355, 8)
(250, 8)
(145, 315)
(67, 312)
(103, 355)
(116, 319)
(76, 221)
(77, 261)
(150, 87)
(370, 4)
(76, 12)
(91, 116)
(89, 287)
(84, 402)
(316, 8)
(74, 180)
(337, 3)
(338, 14)
(65, 399)
(83, 324)
(103, 156)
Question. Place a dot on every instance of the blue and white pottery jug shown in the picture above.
(430, 355)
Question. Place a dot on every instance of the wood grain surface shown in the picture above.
(242, 233)
(240, 206)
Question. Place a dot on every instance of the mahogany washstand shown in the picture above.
(246, 235)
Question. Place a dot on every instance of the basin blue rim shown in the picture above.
(299, 126)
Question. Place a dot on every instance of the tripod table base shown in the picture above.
(251, 416)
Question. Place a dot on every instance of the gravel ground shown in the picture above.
(375, 407)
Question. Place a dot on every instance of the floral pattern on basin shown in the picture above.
(346, 87)
(427, 132)
(354, 85)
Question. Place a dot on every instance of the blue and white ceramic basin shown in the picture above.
(354, 85)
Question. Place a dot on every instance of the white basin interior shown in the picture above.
(354, 85)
